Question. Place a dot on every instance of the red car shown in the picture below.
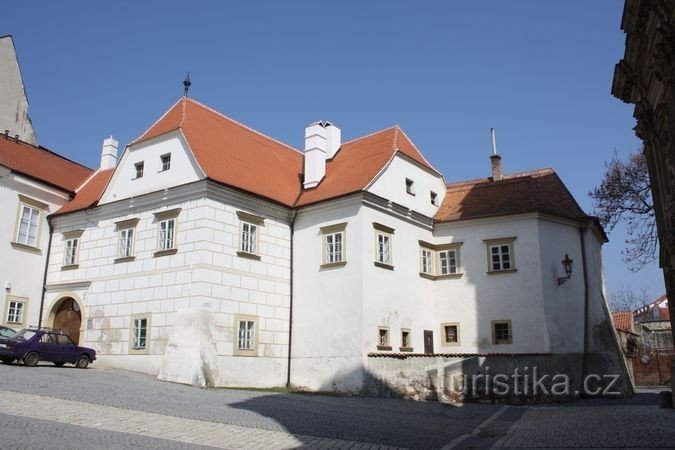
(32, 345)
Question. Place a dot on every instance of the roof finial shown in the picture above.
(187, 84)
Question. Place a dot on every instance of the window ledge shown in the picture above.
(171, 251)
(70, 267)
(29, 248)
(448, 276)
(384, 347)
(333, 264)
(450, 344)
(249, 256)
(249, 353)
(405, 349)
(428, 276)
(383, 265)
(125, 259)
(497, 272)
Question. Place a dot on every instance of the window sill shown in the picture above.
(450, 344)
(405, 349)
(249, 353)
(249, 256)
(70, 267)
(497, 272)
(503, 343)
(384, 347)
(448, 276)
(125, 259)
(171, 251)
(29, 248)
(139, 351)
(383, 265)
(333, 264)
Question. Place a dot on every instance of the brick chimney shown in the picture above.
(495, 159)
(109, 153)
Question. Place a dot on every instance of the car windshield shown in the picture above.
(7, 332)
(24, 335)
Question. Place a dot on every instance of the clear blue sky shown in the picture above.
(539, 72)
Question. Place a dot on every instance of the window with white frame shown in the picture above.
(249, 237)
(500, 255)
(140, 334)
(126, 243)
(70, 255)
(383, 246)
(333, 243)
(167, 230)
(28, 226)
(426, 263)
(450, 333)
(139, 167)
(15, 310)
(245, 335)
(166, 161)
(447, 262)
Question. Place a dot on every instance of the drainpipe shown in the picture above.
(290, 304)
(584, 361)
(44, 278)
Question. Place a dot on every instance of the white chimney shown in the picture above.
(316, 148)
(334, 137)
(109, 153)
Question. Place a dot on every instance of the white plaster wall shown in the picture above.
(478, 298)
(391, 185)
(184, 168)
(205, 272)
(23, 268)
(327, 303)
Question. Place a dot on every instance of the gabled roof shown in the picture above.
(233, 154)
(536, 191)
(89, 193)
(623, 320)
(42, 164)
(358, 162)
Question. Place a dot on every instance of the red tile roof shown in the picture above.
(358, 162)
(536, 191)
(233, 154)
(89, 193)
(42, 164)
(623, 320)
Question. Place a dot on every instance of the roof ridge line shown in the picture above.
(45, 149)
(89, 178)
(246, 127)
(418, 150)
(139, 138)
(369, 135)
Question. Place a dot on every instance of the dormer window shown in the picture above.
(139, 169)
(166, 161)
(434, 198)
(410, 186)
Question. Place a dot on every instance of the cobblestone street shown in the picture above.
(49, 407)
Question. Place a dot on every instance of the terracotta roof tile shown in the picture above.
(233, 154)
(89, 193)
(358, 162)
(536, 191)
(42, 164)
(623, 320)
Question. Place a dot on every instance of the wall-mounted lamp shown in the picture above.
(567, 265)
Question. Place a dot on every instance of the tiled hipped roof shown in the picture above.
(235, 155)
(42, 164)
(623, 320)
(536, 191)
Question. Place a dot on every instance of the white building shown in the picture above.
(211, 239)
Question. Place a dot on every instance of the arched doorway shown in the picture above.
(68, 318)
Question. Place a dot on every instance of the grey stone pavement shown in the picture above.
(50, 407)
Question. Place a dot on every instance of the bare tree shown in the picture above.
(625, 196)
(626, 299)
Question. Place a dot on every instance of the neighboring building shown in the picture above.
(645, 77)
(14, 119)
(34, 182)
(656, 310)
(320, 259)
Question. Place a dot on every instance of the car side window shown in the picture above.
(64, 340)
(47, 339)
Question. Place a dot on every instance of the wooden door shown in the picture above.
(428, 342)
(69, 319)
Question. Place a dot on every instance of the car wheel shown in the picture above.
(31, 359)
(82, 362)
(58, 364)
(8, 360)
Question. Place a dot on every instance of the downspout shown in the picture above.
(290, 304)
(44, 278)
(584, 360)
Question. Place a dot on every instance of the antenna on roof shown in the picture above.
(186, 83)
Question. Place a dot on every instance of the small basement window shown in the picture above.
(410, 186)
